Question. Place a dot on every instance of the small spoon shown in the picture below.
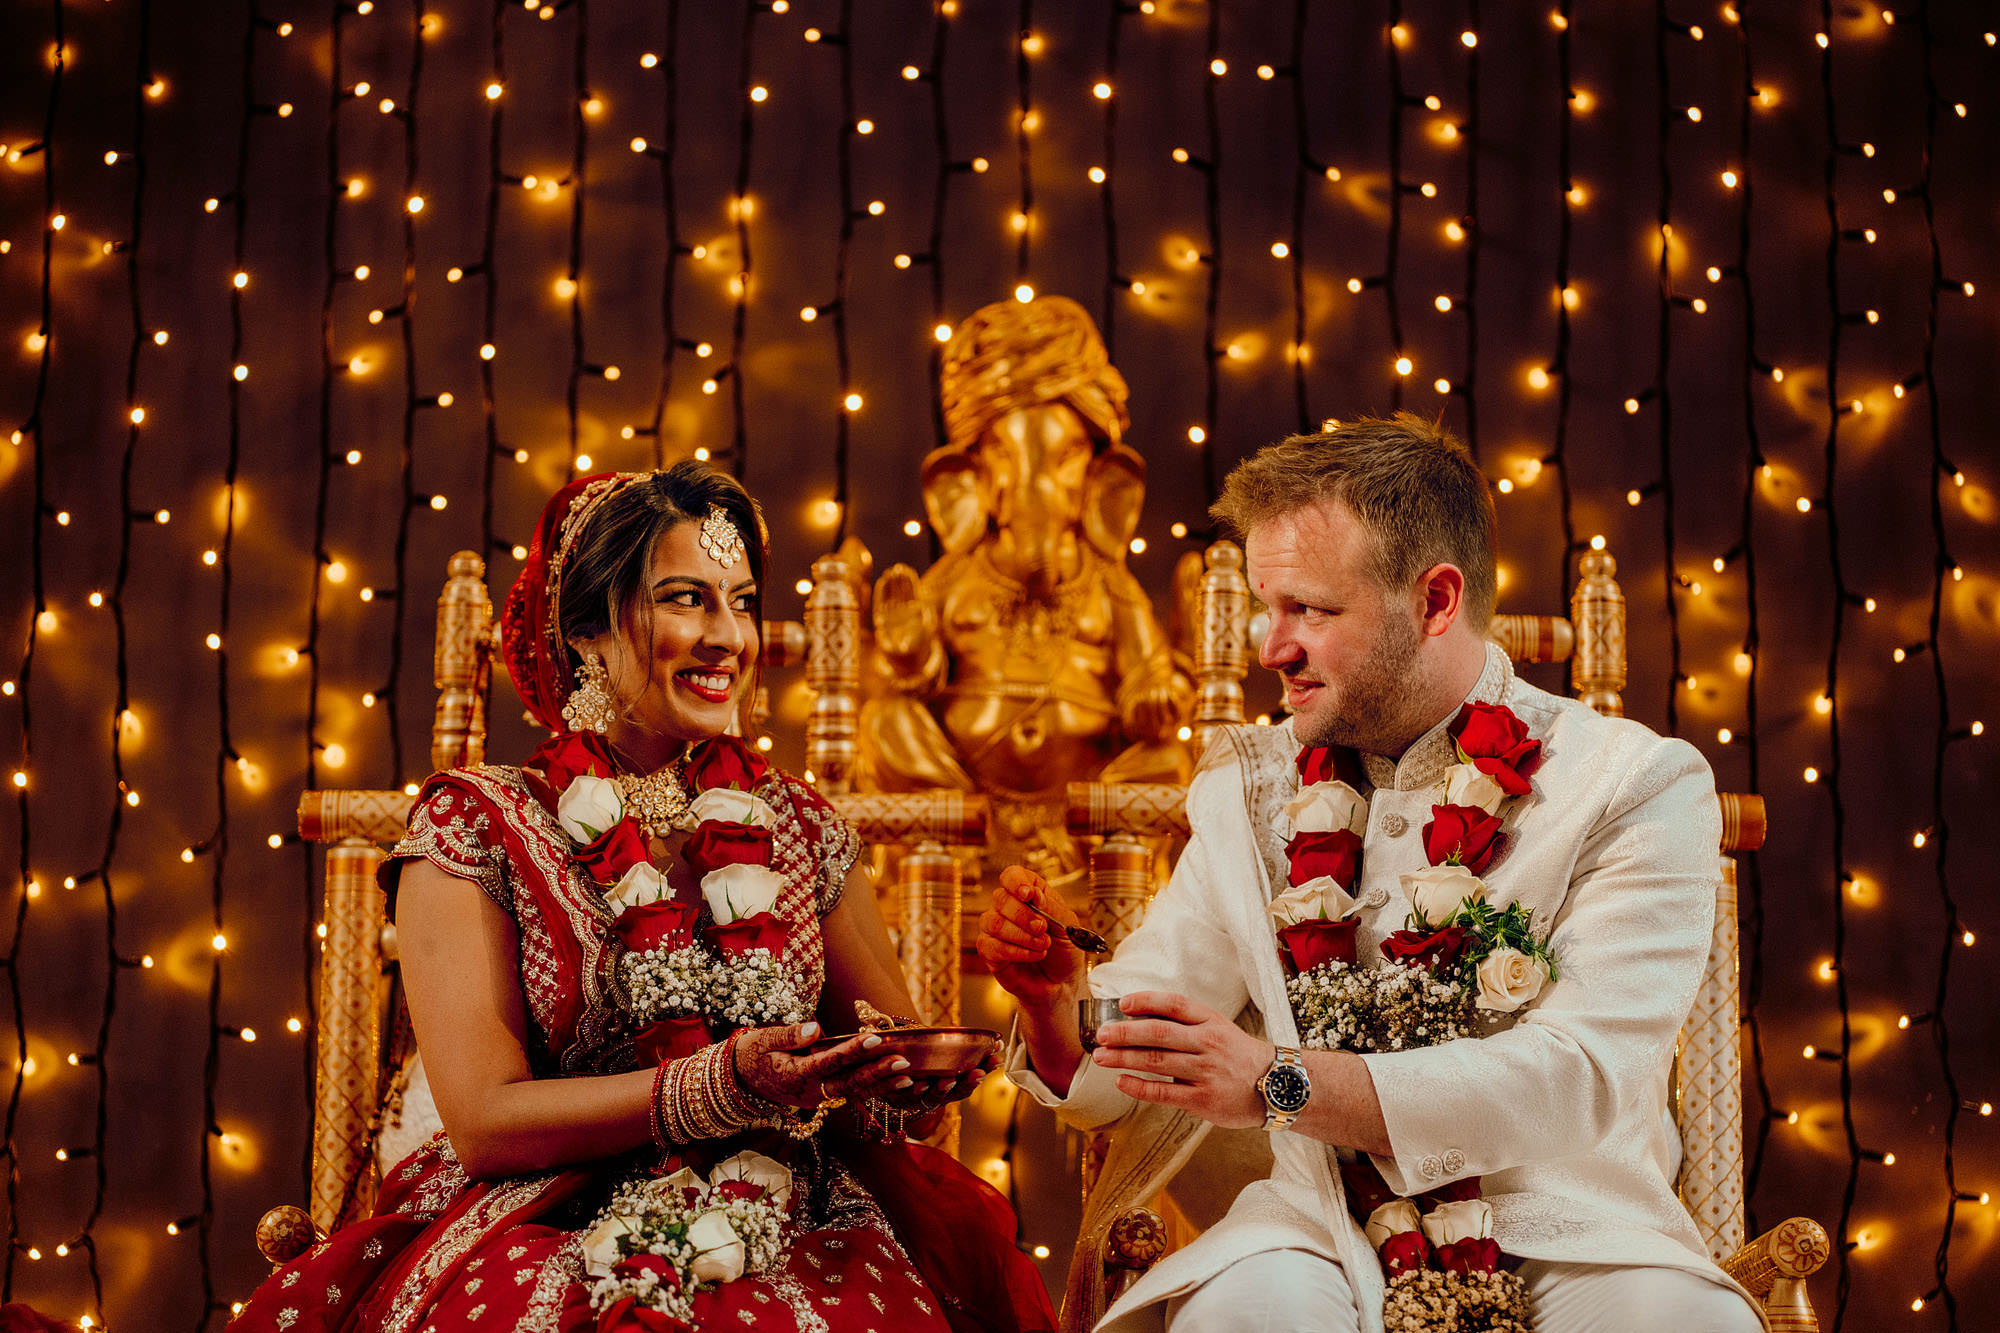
(1087, 940)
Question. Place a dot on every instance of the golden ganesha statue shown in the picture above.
(1028, 656)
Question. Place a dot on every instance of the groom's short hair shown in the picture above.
(1412, 485)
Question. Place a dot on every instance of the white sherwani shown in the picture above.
(1564, 1114)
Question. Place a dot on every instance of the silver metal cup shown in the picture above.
(1093, 1014)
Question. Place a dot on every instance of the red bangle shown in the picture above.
(656, 1110)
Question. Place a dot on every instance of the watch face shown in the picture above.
(1286, 1089)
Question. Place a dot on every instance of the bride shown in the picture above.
(620, 959)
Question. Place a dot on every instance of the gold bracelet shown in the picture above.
(808, 1126)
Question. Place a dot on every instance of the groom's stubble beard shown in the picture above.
(1385, 704)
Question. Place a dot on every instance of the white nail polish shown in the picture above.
(870, 1043)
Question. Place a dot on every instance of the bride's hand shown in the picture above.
(772, 1062)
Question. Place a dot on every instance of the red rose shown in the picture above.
(1458, 1191)
(1314, 854)
(671, 1038)
(1469, 1256)
(1366, 1190)
(1496, 742)
(624, 1315)
(725, 762)
(577, 1316)
(717, 843)
(740, 1189)
(1434, 952)
(1462, 833)
(665, 925)
(1405, 1252)
(573, 754)
(1323, 763)
(632, 1265)
(1310, 943)
(760, 930)
(621, 847)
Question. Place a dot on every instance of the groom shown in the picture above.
(1372, 546)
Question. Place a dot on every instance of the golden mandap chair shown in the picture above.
(362, 1041)
(1118, 1240)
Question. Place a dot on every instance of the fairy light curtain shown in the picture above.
(298, 298)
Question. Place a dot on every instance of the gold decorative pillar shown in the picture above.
(350, 1036)
(462, 665)
(833, 671)
(1121, 887)
(1222, 642)
(1708, 1077)
(929, 895)
(1597, 610)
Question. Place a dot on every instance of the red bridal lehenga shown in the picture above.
(896, 1237)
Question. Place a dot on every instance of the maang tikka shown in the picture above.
(720, 537)
(588, 707)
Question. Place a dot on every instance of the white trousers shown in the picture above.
(1291, 1291)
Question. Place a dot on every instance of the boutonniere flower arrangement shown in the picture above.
(660, 1241)
(1460, 963)
(687, 966)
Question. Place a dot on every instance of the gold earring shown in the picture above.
(588, 707)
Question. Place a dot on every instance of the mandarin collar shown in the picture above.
(1433, 752)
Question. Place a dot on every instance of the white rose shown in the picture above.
(1466, 785)
(640, 886)
(589, 806)
(1327, 807)
(670, 1187)
(727, 805)
(1509, 979)
(1315, 900)
(718, 1253)
(1436, 891)
(600, 1245)
(1450, 1223)
(1391, 1219)
(736, 891)
(773, 1176)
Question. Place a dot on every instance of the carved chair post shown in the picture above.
(833, 671)
(1708, 1088)
(929, 896)
(350, 1036)
(462, 665)
(1121, 886)
(1597, 610)
(1222, 642)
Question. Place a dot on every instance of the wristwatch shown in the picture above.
(1285, 1089)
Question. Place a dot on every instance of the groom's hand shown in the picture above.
(1041, 969)
(1213, 1063)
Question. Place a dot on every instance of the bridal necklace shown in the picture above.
(658, 800)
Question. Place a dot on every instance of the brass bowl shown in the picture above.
(933, 1051)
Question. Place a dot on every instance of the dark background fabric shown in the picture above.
(169, 1117)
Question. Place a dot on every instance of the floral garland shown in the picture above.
(1459, 961)
(661, 1240)
(683, 979)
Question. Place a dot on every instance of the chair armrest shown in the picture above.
(1774, 1268)
(1137, 1241)
(285, 1233)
